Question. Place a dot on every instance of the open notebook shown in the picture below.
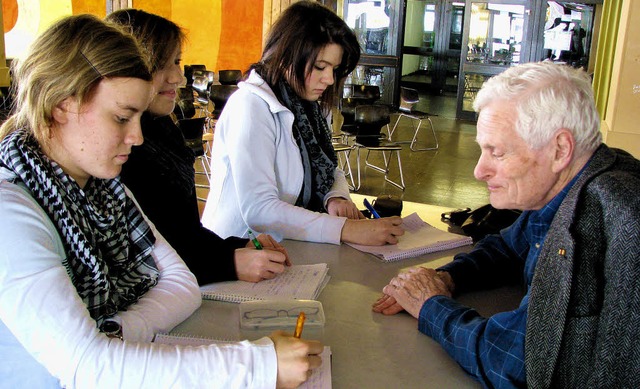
(296, 282)
(419, 238)
(320, 378)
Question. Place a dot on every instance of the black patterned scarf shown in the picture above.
(313, 136)
(107, 241)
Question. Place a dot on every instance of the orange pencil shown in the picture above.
(299, 324)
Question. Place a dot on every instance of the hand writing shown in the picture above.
(373, 232)
(269, 243)
(256, 265)
(296, 359)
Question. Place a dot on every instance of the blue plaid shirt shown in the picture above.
(491, 349)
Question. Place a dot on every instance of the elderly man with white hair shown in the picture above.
(576, 246)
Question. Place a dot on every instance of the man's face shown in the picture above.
(517, 176)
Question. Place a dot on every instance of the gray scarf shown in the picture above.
(313, 136)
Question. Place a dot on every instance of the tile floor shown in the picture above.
(443, 177)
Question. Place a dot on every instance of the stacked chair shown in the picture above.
(362, 128)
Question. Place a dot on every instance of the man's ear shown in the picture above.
(564, 144)
(62, 111)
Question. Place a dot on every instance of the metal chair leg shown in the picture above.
(416, 129)
(415, 137)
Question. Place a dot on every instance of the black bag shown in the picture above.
(481, 222)
(387, 205)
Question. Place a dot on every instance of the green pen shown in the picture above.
(255, 240)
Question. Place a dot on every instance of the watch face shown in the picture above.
(112, 328)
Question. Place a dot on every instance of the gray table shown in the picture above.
(369, 350)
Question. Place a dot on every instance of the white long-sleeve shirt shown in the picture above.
(48, 339)
(257, 173)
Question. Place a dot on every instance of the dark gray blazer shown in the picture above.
(583, 327)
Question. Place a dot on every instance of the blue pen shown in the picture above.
(255, 240)
(371, 209)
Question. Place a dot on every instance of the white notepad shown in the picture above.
(419, 238)
(320, 378)
(296, 282)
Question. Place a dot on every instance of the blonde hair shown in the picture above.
(68, 59)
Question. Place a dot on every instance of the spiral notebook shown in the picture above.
(419, 238)
(320, 378)
(296, 282)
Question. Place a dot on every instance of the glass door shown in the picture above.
(376, 24)
(431, 45)
(495, 38)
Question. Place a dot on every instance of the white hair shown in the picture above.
(547, 97)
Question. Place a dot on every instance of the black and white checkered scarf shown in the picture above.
(107, 241)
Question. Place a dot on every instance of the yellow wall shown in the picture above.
(620, 124)
(230, 42)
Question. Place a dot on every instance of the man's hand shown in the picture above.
(337, 206)
(409, 291)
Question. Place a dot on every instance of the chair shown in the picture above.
(185, 104)
(343, 150)
(192, 130)
(369, 121)
(229, 77)
(219, 94)
(190, 69)
(368, 94)
(408, 98)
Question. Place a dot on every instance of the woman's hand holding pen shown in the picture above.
(269, 243)
(296, 358)
(338, 206)
(256, 265)
(376, 232)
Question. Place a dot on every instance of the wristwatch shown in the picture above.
(112, 329)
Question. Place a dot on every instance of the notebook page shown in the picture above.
(419, 238)
(296, 282)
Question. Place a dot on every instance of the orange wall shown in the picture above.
(221, 34)
(241, 35)
(95, 7)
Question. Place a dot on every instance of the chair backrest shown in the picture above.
(229, 77)
(190, 69)
(192, 130)
(368, 93)
(408, 98)
(201, 87)
(219, 94)
(184, 107)
(369, 119)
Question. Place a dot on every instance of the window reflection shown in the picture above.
(495, 33)
(370, 21)
(567, 34)
(366, 75)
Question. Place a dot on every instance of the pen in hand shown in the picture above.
(299, 325)
(371, 209)
(255, 240)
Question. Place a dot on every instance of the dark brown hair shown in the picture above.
(158, 36)
(294, 42)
